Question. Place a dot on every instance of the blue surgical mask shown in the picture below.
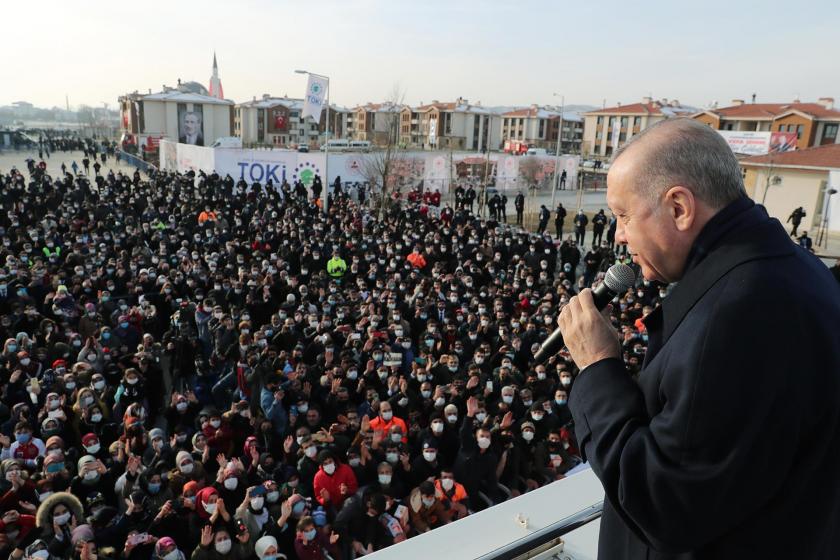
(310, 534)
(298, 508)
(154, 487)
(23, 438)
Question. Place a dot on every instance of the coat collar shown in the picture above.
(743, 236)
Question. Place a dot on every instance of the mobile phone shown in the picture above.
(489, 385)
(355, 336)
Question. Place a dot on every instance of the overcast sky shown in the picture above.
(511, 52)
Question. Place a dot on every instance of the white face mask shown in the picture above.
(528, 436)
(507, 399)
(384, 479)
(231, 483)
(452, 418)
(481, 416)
(210, 508)
(93, 449)
(174, 555)
(387, 415)
(187, 468)
(396, 438)
(272, 496)
(392, 457)
(484, 442)
(447, 483)
(223, 547)
(99, 385)
(430, 456)
(257, 503)
(215, 423)
(62, 519)
(330, 468)
(311, 451)
(437, 427)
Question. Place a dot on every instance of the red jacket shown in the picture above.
(343, 475)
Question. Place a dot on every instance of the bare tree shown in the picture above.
(378, 167)
(529, 169)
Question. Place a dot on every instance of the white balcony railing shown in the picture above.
(529, 526)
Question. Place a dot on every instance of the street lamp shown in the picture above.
(326, 140)
(823, 235)
(557, 155)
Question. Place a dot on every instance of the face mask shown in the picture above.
(352, 375)
(223, 547)
(154, 487)
(70, 385)
(387, 415)
(257, 503)
(231, 483)
(439, 402)
(215, 423)
(330, 468)
(23, 438)
(566, 381)
(528, 436)
(528, 403)
(96, 418)
(210, 508)
(481, 416)
(507, 399)
(187, 468)
(354, 462)
(99, 385)
(392, 457)
(303, 408)
(484, 442)
(181, 406)
(560, 402)
(174, 555)
(93, 449)
(131, 380)
(298, 508)
(310, 534)
(62, 519)
(426, 394)
(91, 476)
(437, 427)
(311, 451)
(536, 416)
(384, 479)
(430, 456)
(447, 483)
(272, 496)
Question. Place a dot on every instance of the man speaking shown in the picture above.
(728, 446)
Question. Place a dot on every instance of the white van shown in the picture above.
(227, 142)
(537, 152)
(360, 146)
(336, 145)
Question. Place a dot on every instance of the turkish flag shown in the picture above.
(279, 121)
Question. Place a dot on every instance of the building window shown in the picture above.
(799, 130)
(830, 132)
(624, 122)
(609, 136)
(600, 120)
(637, 121)
(622, 137)
(612, 120)
(542, 128)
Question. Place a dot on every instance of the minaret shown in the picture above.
(215, 83)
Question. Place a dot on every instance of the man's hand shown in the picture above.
(588, 334)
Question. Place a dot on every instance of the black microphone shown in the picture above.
(619, 279)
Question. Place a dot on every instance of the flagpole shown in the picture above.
(325, 202)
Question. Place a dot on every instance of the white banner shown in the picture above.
(833, 206)
(316, 90)
(616, 132)
(194, 158)
(432, 131)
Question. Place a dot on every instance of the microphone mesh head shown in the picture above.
(620, 278)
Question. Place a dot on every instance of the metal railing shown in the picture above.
(521, 547)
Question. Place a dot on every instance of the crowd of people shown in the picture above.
(195, 367)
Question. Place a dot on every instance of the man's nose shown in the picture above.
(620, 235)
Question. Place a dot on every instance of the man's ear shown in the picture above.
(682, 207)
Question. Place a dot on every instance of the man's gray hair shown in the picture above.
(686, 152)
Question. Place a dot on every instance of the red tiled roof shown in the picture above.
(633, 108)
(527, 112)
(827, 156)
(771, 110)
(439, 106)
